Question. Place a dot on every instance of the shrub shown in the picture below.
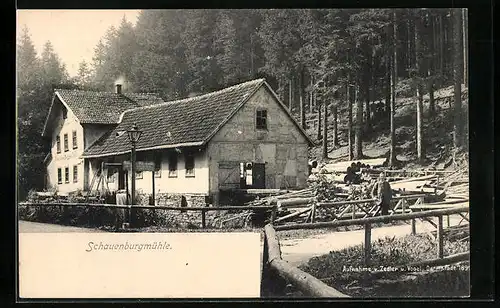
(387, 252)
(324, 187)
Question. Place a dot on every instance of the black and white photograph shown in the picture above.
(338, 137)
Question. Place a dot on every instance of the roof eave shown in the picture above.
(159, 147)
(44, 131)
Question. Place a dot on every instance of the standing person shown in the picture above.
(382, 192)
(121, 199)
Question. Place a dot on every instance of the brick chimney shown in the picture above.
(118, 89)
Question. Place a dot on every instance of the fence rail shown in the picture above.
(203, 210)
(313, 286)
(367, 222)
(154, 207)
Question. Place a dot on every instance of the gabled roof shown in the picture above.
(91, 107)
(188, 122)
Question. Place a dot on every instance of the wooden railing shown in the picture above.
(303, 281)
(367, 222)
(203, 210)
(350, 208)
(310, 285)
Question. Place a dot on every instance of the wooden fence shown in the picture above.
(203, 210)
(352, 209)
(367, 222)
(310, 285)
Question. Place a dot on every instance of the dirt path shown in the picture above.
(299, 251)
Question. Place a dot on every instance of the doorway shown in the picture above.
(121, 179)
(259, 175)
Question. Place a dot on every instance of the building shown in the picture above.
(238, 137)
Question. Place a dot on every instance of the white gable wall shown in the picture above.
(69, 158)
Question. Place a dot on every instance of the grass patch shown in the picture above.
(387, 276)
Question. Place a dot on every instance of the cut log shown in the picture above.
(421, 178)
(297, 201)
(342, 166)
(298, 213)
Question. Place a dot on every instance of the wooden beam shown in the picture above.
(368, 243)
(273, 214)
(440, 237)
(377, 219)
(459, 257)
(303, 281)
(332, 204)
(176, 208)
(296, 201)
(295, 214)
(274, 251)
(203, 223)
(313, 212)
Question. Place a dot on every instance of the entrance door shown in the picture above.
(229, 174)
(259, 175)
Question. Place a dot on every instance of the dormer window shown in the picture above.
(261, 119)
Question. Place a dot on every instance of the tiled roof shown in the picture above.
(103, 107)
(190, 121)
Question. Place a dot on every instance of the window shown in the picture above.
(66, 175)
(111, 175)
(75, 144)
(59, 176)
(138, 174)
(66, 146)
(158, 165)
(64, 113)
(189, 164)
(58, 143)
(172, 165)
(75, 174)
(261, 119)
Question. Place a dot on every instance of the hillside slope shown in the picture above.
(438, 132)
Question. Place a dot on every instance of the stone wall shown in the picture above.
(179, 219)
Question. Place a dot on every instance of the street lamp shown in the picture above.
(133, 135)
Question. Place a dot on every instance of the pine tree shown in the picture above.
(457, 76)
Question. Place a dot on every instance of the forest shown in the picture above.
(347, 64)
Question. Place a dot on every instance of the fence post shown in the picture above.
(403, 203)
(203, 223)
(413, 227)
(440, 236)
(368, 243)
(447, 221)
(313, 212)
(273, 214)
(353, 211)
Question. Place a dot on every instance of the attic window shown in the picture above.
(261, 119)
(64, 113)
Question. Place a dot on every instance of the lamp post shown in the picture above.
(133, 135)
